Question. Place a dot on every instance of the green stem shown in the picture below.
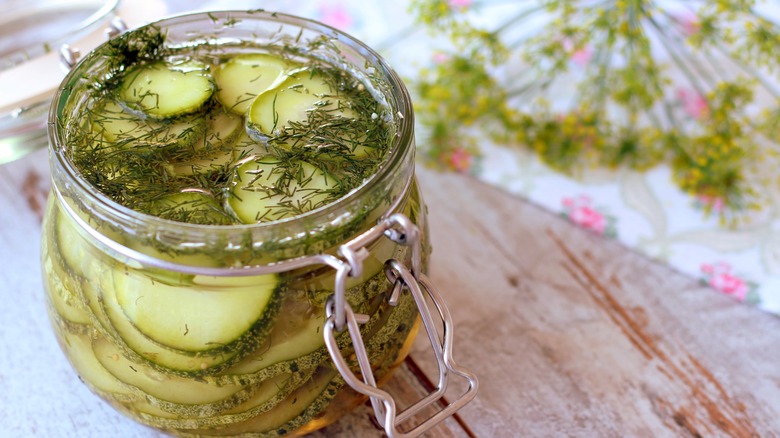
(663, 38)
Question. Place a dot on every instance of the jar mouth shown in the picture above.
(401, 150)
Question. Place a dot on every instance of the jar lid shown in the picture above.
(31, 35)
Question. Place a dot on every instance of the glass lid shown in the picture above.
(32, 32)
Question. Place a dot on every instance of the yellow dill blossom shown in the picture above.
(622, 52)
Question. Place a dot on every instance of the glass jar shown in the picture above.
(244, 329)
(31, 31)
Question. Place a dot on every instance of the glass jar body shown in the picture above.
(251, 385)
(217, 330)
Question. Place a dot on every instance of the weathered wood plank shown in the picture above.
(576, 336)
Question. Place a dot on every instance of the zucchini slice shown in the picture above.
(165, 396)
(222, 128)
(267, 394)
(174, 389)
(199, 318)
(63, 291)
(190, 205)
(267, 189)
(72, 249)
(163, 90)
(214, 150)
(241, 79)
(292, 337)
(78, 349)
(247, 146)
(297, 409)
(125, 130)
(292, 102)
(140, 348)
(298, 343)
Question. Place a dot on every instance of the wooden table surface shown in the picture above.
(571, 334)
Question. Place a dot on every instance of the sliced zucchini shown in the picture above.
(266, 395)
(137, 346)
(199, 318)
(170, 396)
(125, 130)
(216, 162)
(162, 90)
(214, 150)
(92, 295)
(73, 251)
(293, 101)
(373, 265)
(297, 409)
(293, 337)
(190, 205)
(63, 291)
(244, 77)
(166, 387)
(267, 189)
(298, 343)
(222, 128)
(247, 146)
(78, 349)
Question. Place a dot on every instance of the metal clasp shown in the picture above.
(340, 315)
(69, 56)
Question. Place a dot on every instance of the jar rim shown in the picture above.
(400, 150)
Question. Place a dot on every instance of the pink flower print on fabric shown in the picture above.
(460, 160)
(693, 103)
(579, 57)
(689, 23)
(720, 277)
(582, 57)
(460, 4)
(440, 58)
(336, 15)
(711, 203)
(580, 211)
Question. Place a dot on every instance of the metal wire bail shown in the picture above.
(402, 231)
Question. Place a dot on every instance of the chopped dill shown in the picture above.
(188, 167)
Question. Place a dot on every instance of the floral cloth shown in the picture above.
(646, 211)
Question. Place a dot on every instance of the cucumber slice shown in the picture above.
(216, 162)
(163, 90)
(293, 101)
(222, 128)
(214, 150)
(127, 130)
(140, 348)
(74, 252)
(292, 337)
(190, 205)
(267, 189)
(298, 343)
(247, 146)
(373, 265)
(63, 291)
(198, 318)
(78, 349)
(244, 77)
(166, 387)
(162, 399)
(267, 395)
(302, 405)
